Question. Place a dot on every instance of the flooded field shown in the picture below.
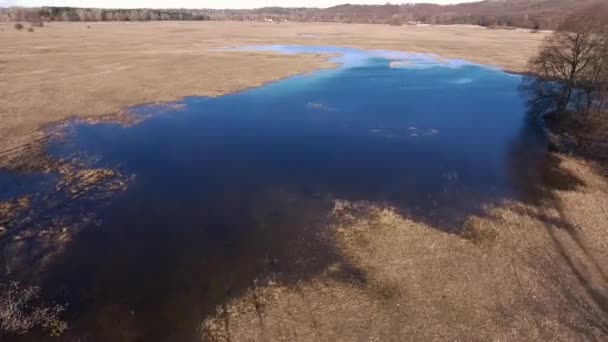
(151, 224)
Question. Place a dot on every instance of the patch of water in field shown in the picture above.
(224, 187)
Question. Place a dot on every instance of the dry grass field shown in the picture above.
(87, 69)
(521, 272)
(529, 270)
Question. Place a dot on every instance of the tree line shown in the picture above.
(98, 14)
(533, 14)
(568, 83)
(571, 69)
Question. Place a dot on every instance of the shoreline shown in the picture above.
(65, 70)
(12, 147)
(35, 140)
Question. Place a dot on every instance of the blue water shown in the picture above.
(435, 139)
(430, 138)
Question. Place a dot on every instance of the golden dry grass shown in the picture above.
(66, 69)
(540, 277)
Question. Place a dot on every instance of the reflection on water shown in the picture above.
(233, 186)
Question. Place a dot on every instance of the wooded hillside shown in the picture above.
(536, 14)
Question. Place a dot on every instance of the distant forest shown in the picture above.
(534, 14)
(98, 14)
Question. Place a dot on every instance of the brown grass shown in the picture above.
(582, 134)
(530, 272)
(65, 69)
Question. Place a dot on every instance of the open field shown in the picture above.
(66, 69)
(531, 269)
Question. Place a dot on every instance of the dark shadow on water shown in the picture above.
(160, 270)
(536, 173)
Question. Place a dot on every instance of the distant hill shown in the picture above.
(540, 14)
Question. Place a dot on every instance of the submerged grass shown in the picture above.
(21, 311)
(36, 227)
(519, 270)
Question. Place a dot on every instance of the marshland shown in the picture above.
(229, 181)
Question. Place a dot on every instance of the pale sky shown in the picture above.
(205, 3)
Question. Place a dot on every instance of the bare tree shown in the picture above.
(571, 66)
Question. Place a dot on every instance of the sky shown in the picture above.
(205, 3)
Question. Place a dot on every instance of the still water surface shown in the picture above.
(222, 184)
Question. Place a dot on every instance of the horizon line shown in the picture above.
(404, 4)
